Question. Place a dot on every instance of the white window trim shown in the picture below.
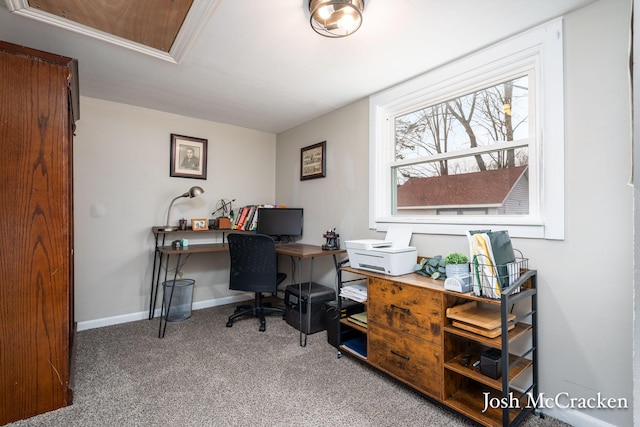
(541, 47)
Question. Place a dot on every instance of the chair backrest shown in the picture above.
(254, 263)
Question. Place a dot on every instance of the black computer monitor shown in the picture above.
(283, 224)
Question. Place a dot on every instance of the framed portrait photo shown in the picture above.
(312, 161)
(199, 224)
(188, 157)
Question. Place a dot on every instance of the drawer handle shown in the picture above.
(400, 355)
(406, 310)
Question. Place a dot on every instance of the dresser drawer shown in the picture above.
(406, 357)
(407, 308)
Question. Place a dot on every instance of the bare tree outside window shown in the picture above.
(465, 155)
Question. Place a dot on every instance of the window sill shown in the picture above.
(528, 229)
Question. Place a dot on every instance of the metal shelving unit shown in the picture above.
(516, 366)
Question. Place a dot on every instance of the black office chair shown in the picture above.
(254, 268)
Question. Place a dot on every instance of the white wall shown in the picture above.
(123, 187)
(340, 199)
(636, 217)
(585, 281)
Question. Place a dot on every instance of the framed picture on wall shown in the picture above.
(188, 157)
(312, 161)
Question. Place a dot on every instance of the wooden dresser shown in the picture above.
(405, 334)
(409, 337)
(38, 109)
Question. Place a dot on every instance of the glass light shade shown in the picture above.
(336, 18)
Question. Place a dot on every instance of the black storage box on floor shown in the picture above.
(319, 296)
(347, 308)
(490, 363)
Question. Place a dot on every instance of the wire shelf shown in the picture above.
(490, 280)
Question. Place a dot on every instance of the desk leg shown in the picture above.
(303, 335)
(298, 261)
(309, 301)
(155, 283)
(155, 276)
(161, 330)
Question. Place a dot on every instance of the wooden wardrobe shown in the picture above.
(38, 109)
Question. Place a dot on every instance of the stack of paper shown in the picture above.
(493, 262)
(359, 319)
(355, 292)
(357, 345)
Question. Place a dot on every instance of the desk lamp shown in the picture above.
(193, 192)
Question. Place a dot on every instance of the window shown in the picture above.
(465, 155)
(475, 143)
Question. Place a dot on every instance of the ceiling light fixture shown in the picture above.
(336, 18)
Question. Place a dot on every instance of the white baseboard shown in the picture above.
(141, 315)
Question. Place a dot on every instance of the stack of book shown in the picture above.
(356, 292)
(247, 217)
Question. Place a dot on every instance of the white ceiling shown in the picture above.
(259, 65)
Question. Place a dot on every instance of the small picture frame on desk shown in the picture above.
(199, 224)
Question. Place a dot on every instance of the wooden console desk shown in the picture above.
(296, 251)
(409, 337)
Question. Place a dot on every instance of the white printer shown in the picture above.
(392, 256)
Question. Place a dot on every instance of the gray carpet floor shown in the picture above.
(205, 374)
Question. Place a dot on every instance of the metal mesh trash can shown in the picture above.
(180, 308)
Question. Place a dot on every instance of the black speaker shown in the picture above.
(332, 317)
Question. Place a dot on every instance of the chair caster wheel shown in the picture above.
(229, 323)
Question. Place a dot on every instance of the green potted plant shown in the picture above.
(456, 264)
